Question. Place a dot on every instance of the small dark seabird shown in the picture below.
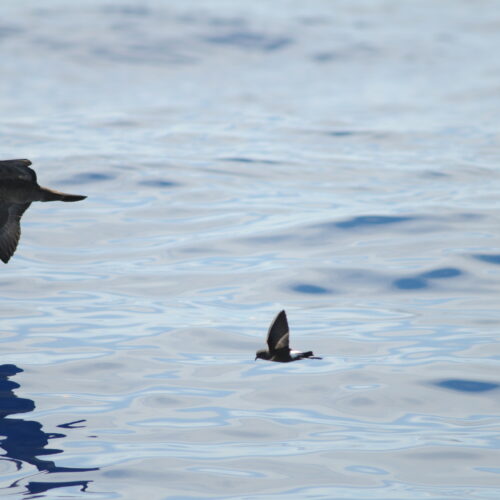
(277, 341)
(18, 188)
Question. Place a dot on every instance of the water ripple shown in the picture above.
(239, 159)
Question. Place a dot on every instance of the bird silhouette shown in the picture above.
(18, 189)
(278, 343)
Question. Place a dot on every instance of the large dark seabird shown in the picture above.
(278, 343)
(18, 188)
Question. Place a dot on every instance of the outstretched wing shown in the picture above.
(10, 228)
(278, 334)
(16, 170)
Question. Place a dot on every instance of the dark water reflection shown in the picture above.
(464, 385)
(422, 279)
(157, 183)
(370, 220)
(309, 288)
(24, 440)
(250, 40)
(489, 258)
(88, 177)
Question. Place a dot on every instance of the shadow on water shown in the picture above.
(462, 385)
(24, 440)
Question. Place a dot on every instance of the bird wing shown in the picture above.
(16, 170)
(10, 228)
(278, 334)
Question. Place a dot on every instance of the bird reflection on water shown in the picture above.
(24, 440)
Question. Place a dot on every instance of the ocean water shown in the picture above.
(337, 159)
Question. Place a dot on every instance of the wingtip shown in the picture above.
(281, 316)
(7, 254)
(24, 161)
(70, 197)
(48, 194)
(281, 313)
(77, 197)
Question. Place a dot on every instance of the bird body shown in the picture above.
(278, 343)
(18, 189)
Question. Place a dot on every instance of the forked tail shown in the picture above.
(310, 355)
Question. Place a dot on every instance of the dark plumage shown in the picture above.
(278, 343)
(18, 189)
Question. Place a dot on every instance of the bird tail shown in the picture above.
(310, 355)
(47, 194)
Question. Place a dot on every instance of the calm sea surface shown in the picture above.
(337, 159)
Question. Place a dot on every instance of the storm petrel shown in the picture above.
(18, 188)
(278, 346)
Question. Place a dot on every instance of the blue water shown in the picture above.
(337, 159)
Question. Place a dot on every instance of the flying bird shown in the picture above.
(278, 343)
(18, 188)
